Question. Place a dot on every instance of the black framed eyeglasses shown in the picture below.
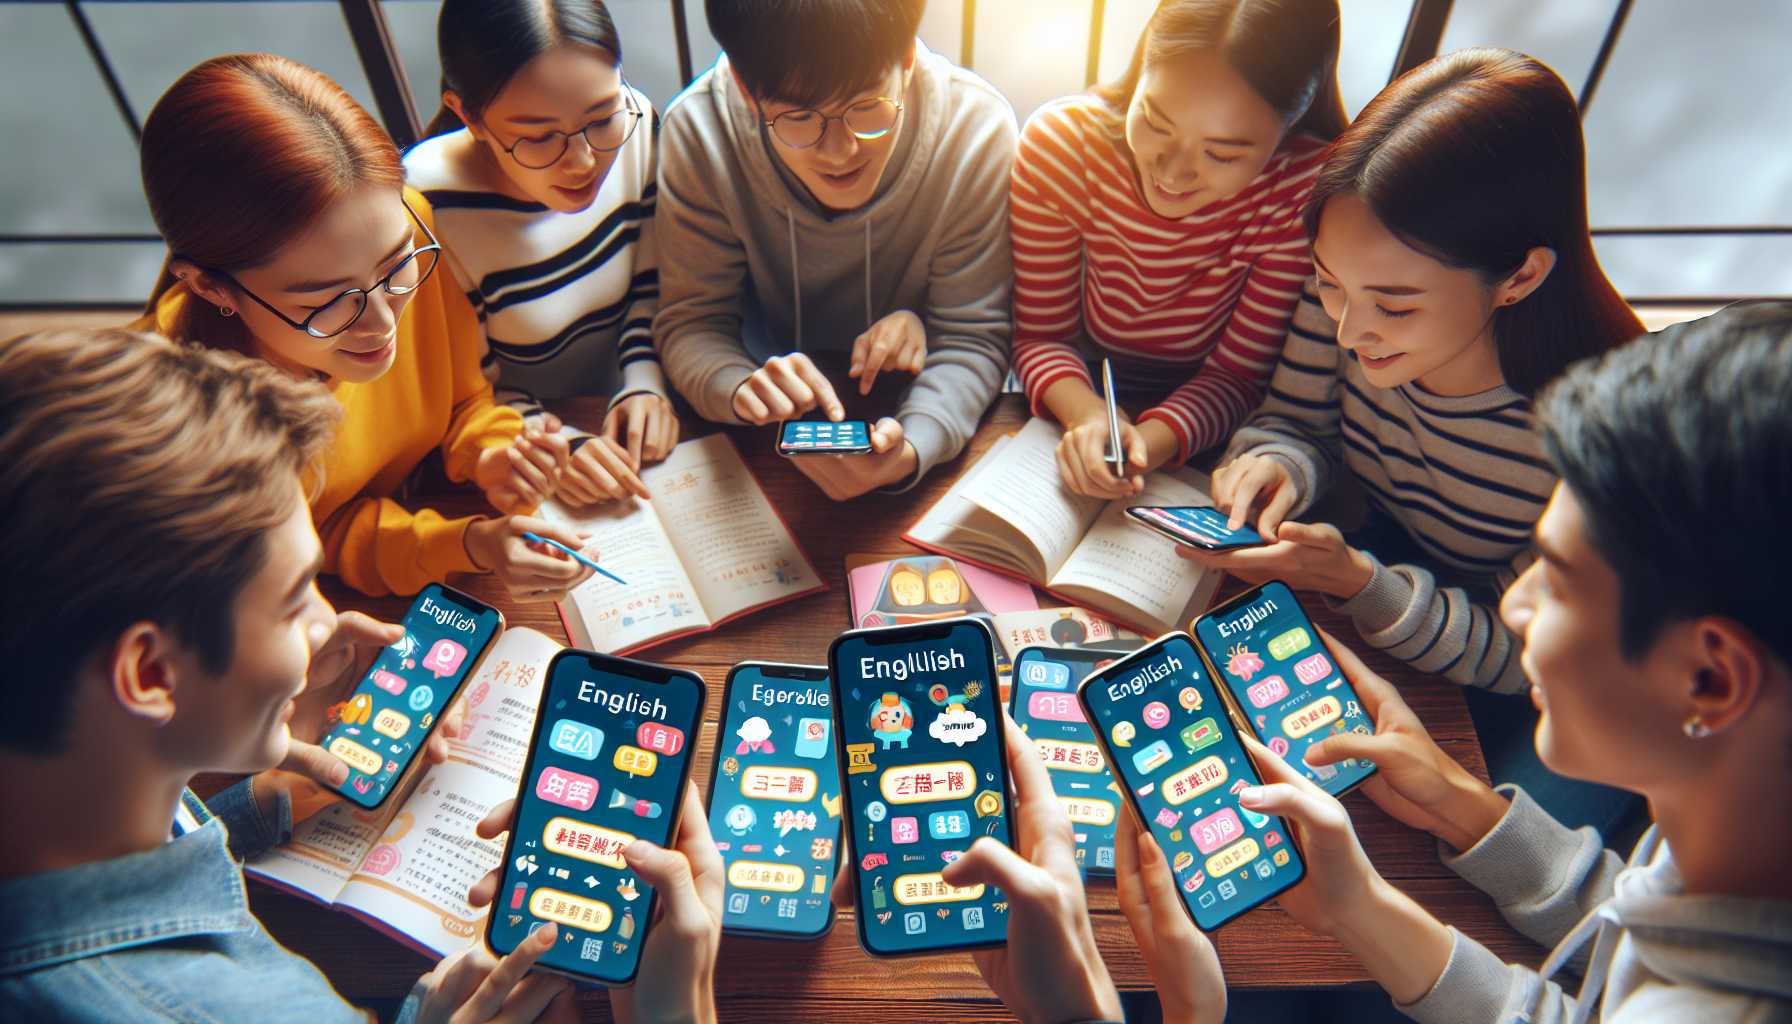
(604, 135)
(341, 312)
(868, 119)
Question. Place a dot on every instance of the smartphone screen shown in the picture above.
(1196, 525)
(1165, 729)
(824, 437)
(924, 762)
(607, 765)
(1266, 651)
(774, 800)
(1044, 705)
(383, 724)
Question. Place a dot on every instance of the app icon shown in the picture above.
(737, 903)
(812, 737)
(1151, 758)
(1123, 734)
(905, 830)
(1264, 869)
(1278, 746)
(444, 657)
(1047, 675)
(1311, 670)
(575, 739)
(1202, 734)
(1281, 858)
(914, 922)
(389, 682)
(660, 738)
(1189, 698)
(1290, 643)
(948, 824)
(1243, 662)
(1227, 889)
(1208, 899)
(421, 697)
(973, 918)
(1156, 714)
(1267, 692)
(1256, 820)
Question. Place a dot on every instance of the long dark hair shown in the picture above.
(1286, 50)
(484, 43)
(1474, 158)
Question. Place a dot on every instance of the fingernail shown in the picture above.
(1250, 794)
(339, 774)
(544, 937)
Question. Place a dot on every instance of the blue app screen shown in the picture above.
(822, 436)
(606, 766)
(774, 804)
(921, 738)
(1046, 709)
(385, 721)
(1274, 662)
(1184, 765)
(1199, 525)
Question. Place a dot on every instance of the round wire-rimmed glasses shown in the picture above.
(604, 135)
(868, 119)
(341, 312)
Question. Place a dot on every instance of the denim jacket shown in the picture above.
(165, 934)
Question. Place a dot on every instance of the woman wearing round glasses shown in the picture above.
(291, 237)
(541, 174)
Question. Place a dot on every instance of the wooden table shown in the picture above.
(765, 980)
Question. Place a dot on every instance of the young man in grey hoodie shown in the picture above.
(836, 187)
(1655, 636)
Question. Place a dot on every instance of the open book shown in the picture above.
(1012, 513)
(709, 548)
(405, 869)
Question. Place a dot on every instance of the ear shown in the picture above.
(1730, 666)
(451, 100)
(212, 290)
(142, 672)
(1529, 276)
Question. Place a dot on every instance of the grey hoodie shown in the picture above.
(1645, 949)
(736, 230)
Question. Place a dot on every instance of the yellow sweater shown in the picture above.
(434, 396)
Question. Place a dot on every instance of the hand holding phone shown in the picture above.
(824, 437)
(1197, 526)
(922, 755)
(1278, 669)
(1165, 730)
(1044, 705)
(774, 800)
(398, 705)
(607, 765)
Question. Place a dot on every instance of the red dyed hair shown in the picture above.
(239, 157)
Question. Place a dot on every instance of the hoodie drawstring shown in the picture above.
(796, 277)
(1594, 926)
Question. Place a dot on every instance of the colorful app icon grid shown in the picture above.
(774, 805)
(1274, 662)
(383, 723)
(1184, 766)
(605, 769)
(1046, 709)
(919, 732)
(825, 435)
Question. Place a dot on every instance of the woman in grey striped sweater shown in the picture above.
(1457, 277)
(541, 172)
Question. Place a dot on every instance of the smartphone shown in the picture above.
(774, 800)
(921, 750)
(607, 765)
(395, 707)
(1283, 680)
(1197, 526)
(824, 437)
(1176, 751)
(1044, 705)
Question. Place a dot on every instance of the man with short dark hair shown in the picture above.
(834, 186)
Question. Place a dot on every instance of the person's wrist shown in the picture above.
(1355, 573)
(1161, 444)
(478, 542)
(1473, 810)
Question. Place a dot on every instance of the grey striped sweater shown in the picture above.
(1465, 477)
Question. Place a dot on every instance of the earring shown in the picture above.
(226, 311)
(1695, 728)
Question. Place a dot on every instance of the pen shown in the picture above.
(588, 563)
(1116, 457)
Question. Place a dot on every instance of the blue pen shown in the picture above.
(588, 563)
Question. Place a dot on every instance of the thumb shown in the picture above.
(550, 423)
(357, 628)
(1136, 456)
(1312, 535)
(315, 763)
(666, 871)
(988, 862)
(552, 531)
(497, 821)
(1332, 749)
(1160, 888)
(886, 434)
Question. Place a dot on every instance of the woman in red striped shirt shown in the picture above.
(1158, 220)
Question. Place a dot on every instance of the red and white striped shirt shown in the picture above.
(1209, 295)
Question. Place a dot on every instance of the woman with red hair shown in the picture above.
(291, 237)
